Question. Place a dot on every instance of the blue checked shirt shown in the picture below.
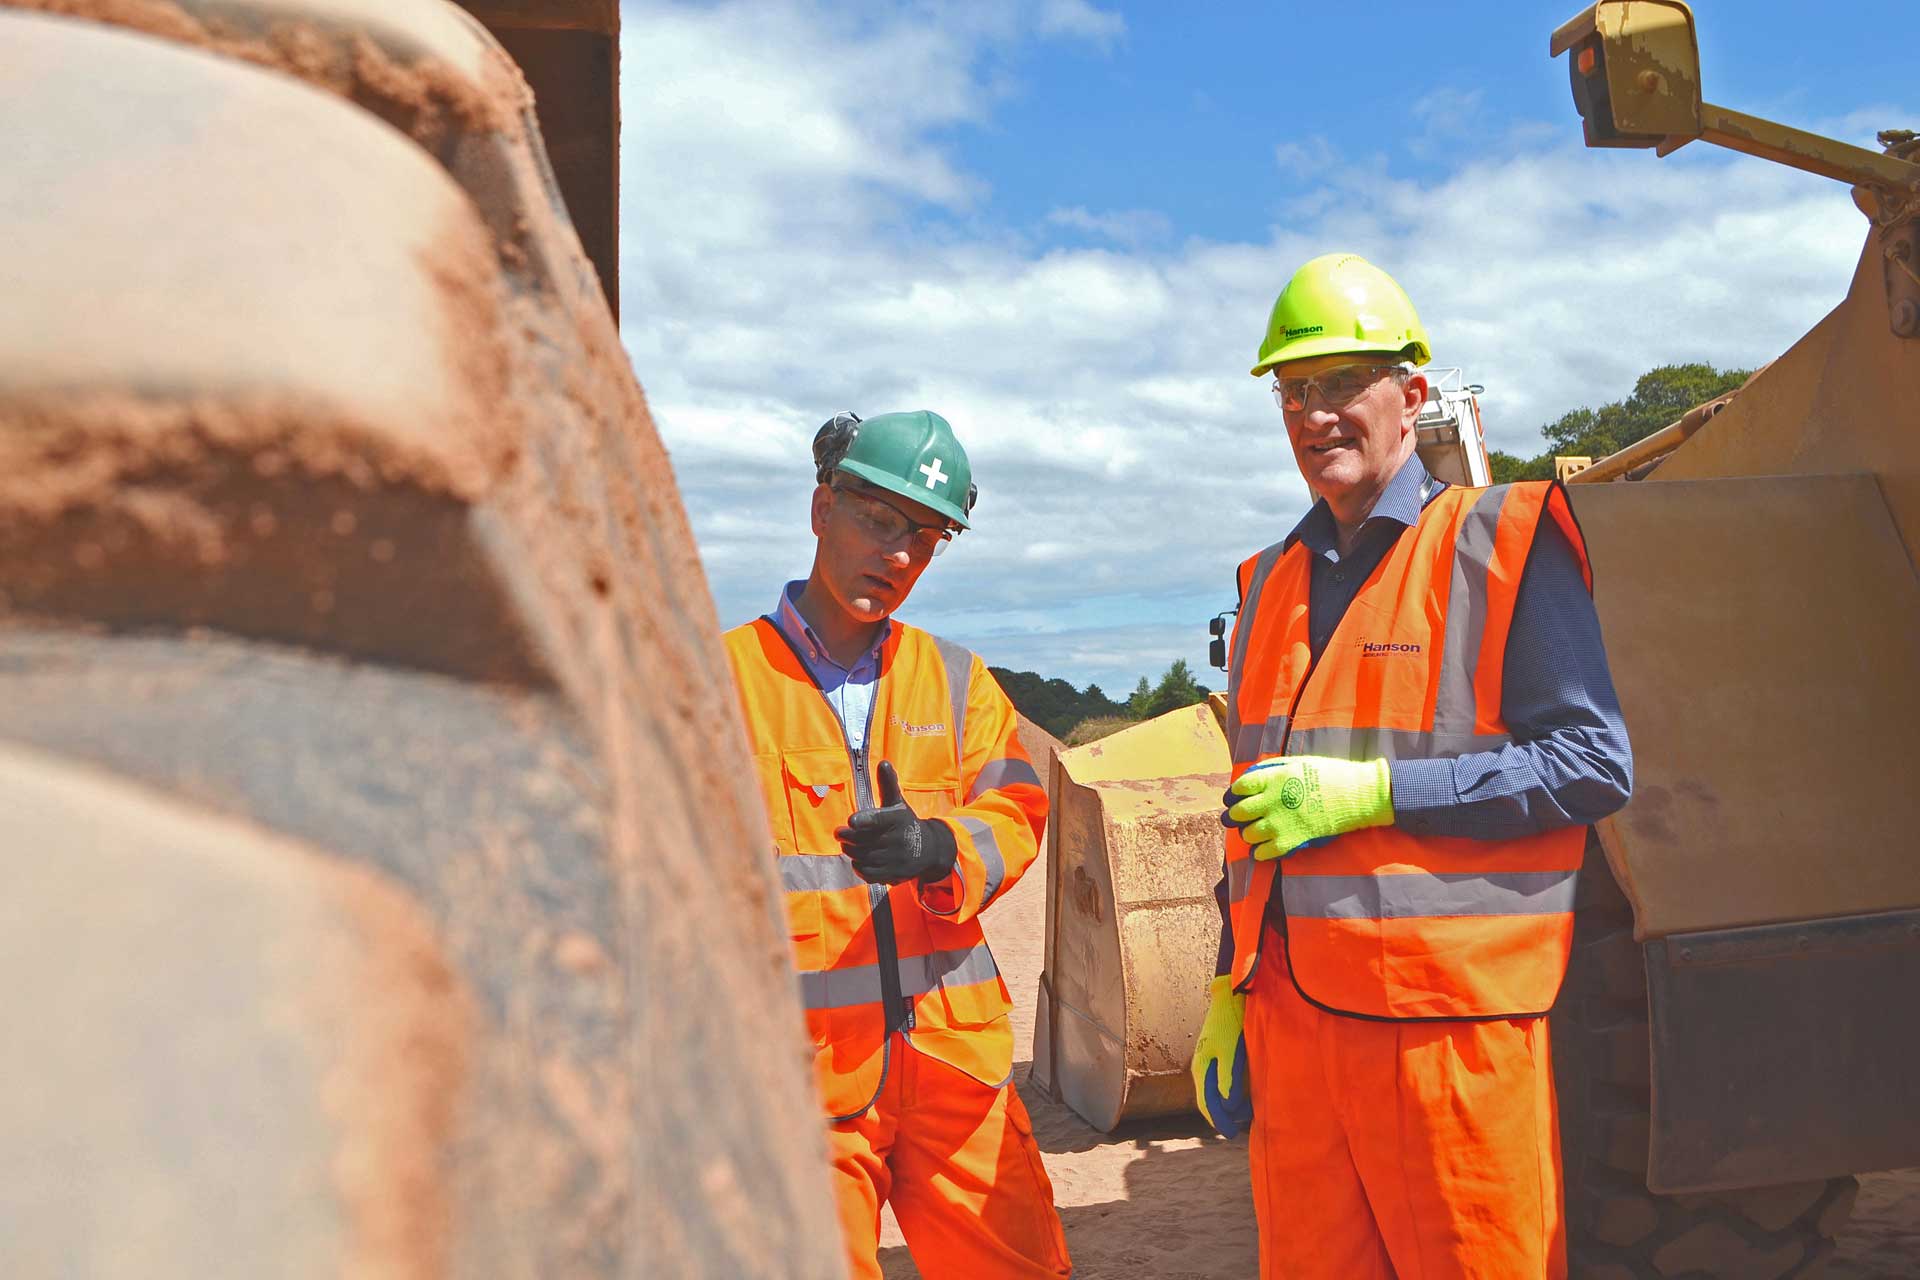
(849, 690)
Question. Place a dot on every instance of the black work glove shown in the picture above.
(889, 844)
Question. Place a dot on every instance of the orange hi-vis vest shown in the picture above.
(873, 959)
(1381, 923)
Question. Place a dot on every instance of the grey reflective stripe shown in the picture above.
(921, 974)
(999, 773)
(1417, 895)
(1392, 744)
(840, 988)
(860, 984)
(1242, 632)
(819, 873)
(987, 845)
(1453, 710)
(1251, 741)
(1239, 879)
(959, 664)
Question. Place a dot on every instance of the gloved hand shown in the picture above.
(889, 844)
(1220, 1083)
(1295, 801)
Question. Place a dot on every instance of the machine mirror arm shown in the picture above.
(1799, 149)
(1886, 189)
(1635, 70)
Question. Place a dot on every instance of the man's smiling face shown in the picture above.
(1351, 450)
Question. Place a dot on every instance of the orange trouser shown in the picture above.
(1418, 1150)
(957, 1160)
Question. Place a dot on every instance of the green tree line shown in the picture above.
(1659, 397)
(1085, 714)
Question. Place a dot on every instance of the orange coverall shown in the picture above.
(920, 1106)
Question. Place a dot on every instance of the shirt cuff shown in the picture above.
(942, 897)
(1420, 787)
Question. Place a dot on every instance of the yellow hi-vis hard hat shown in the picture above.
(1340, 303)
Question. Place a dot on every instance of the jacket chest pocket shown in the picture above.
(818, 783)
(817, 786)
(929, 775)
(929, 799)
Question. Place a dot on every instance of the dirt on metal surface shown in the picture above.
(426, 99)
(325, 976)
(574, 832)
(399, 1077)
(1132, 929)
(1783, 613)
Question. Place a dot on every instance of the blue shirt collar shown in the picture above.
(1401, 501)
(788, 618)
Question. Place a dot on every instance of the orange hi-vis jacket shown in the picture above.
(863, 950)
(1382, 923)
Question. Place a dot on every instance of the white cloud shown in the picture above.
(1078, 18)
(1306, 158)
(1129, 227)
(1448, 112)
(774, 272)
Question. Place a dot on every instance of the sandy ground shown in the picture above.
(1168, 1200)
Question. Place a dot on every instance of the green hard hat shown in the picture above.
(911, 454)
(1340, 303)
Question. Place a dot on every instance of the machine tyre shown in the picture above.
(1616, 1228)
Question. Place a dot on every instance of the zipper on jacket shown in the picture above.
(886, 945)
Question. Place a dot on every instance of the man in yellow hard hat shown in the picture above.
(1422, 727)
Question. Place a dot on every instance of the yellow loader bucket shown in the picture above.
(1134, 850)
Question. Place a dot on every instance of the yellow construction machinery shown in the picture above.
(367, 751)
(1736, 1037)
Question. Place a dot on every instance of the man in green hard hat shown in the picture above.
(1422, 727)
(902, 806)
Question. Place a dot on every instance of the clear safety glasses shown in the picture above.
(1338, 387)
(888, 524)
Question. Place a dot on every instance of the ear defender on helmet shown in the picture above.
(831, 442)
(973, 495)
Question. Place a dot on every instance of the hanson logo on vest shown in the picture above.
(917, 730)
(1386, 649)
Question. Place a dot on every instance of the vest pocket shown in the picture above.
(803, 915)
(971, 991)
(928, 800)
(819, 785)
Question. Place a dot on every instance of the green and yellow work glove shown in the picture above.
(1296, 801)
(1220, 1084)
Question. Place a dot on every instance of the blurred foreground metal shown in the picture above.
(379, 900)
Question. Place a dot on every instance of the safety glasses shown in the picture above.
(888, 524)
(1338, 387)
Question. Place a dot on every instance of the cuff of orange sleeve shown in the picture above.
(943, 896)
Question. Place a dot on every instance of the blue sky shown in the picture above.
(1061, 224)
(1179, 112)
